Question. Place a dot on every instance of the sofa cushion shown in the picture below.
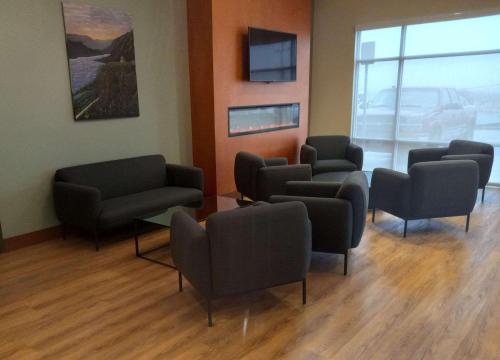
(323, 166)
(122, 209)
(118, 177)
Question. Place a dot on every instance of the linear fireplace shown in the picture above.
(244, 120)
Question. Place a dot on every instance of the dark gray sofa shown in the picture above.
(258, 178)
(107, 194)
(482, 153)
(242, 250)
(337, 211)
(430, 190)
(331, 153)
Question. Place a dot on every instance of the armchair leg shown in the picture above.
(373, 214)
(467, 223)
(482, 196)
(96, 240)
(346, 261)
(406, 228)
(304, 291)
(209, 311)
(180, 281)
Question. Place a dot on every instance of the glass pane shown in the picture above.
(375, 112)
(451, 98)
(495, 173)
(379, 43)
(376, 153)
(442, 37)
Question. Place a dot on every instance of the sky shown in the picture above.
(96, 22)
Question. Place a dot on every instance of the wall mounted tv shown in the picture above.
(272, 55)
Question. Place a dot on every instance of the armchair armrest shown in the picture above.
(425, 155)
(354, 154)
(331, 221)
(484, 161)
(308, 155)
(272, 180)
(276, 161)
(391, 191)
(190, 251)
(77, 204)
(312, 189)
(185, 176)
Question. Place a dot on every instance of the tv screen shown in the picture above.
(272, 55)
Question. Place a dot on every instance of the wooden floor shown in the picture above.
(433, 295)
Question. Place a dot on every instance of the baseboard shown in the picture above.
(32, 238)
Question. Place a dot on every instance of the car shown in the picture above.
(436, 114)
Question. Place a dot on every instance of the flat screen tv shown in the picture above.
(272, 55)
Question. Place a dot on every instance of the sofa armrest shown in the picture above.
(331, 221)
(272, 180)
(425, 155)
(190, 251)
(185, 176)
(77, 204)
(276, 161)
(484, 161)
(354, 154)
(391, 191)
(308, 155)
(312, 188)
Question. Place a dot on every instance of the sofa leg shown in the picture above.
(304, 291)
(346, 261)
(180, 281)
(467, 223)
(406, 228)
(209, 312)
(96, 240)
(482, 196)
(373, 214)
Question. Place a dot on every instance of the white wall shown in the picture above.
(333, 49)
(37, 132)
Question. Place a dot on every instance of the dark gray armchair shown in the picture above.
(104, 195)
(258, 179)
(242, 250)
(331, 153)
(337, 211)
(481, 153)
(430, 190)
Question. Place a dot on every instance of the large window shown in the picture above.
(423, 85)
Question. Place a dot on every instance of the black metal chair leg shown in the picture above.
(136, 238)
(467, 223)
(304, 291)
(373, 215)
(482, 196)
(180, 281)
(346, 260)
(209, 311)
(406, 228)
(96, 240)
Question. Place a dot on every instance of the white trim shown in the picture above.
(457, 15)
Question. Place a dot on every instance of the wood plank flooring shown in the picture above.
(433, 295)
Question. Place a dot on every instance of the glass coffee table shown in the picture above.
(210, 205)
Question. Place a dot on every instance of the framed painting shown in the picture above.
(101, 57)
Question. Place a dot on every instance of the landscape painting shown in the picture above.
(101, 55)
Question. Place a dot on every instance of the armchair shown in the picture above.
(243, 250)
(481, 153)
(258, 179)
(331, 153)
(430, 190)
(337, 211)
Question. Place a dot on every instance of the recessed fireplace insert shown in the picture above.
(244, 120)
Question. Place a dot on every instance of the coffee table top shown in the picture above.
(211, 204)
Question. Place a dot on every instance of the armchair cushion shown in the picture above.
(329, 146)
(424, 155)
(484, 161)
(121, 209)
(323, 166)
(461, 147)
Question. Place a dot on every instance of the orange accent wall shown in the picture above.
(228, 86)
